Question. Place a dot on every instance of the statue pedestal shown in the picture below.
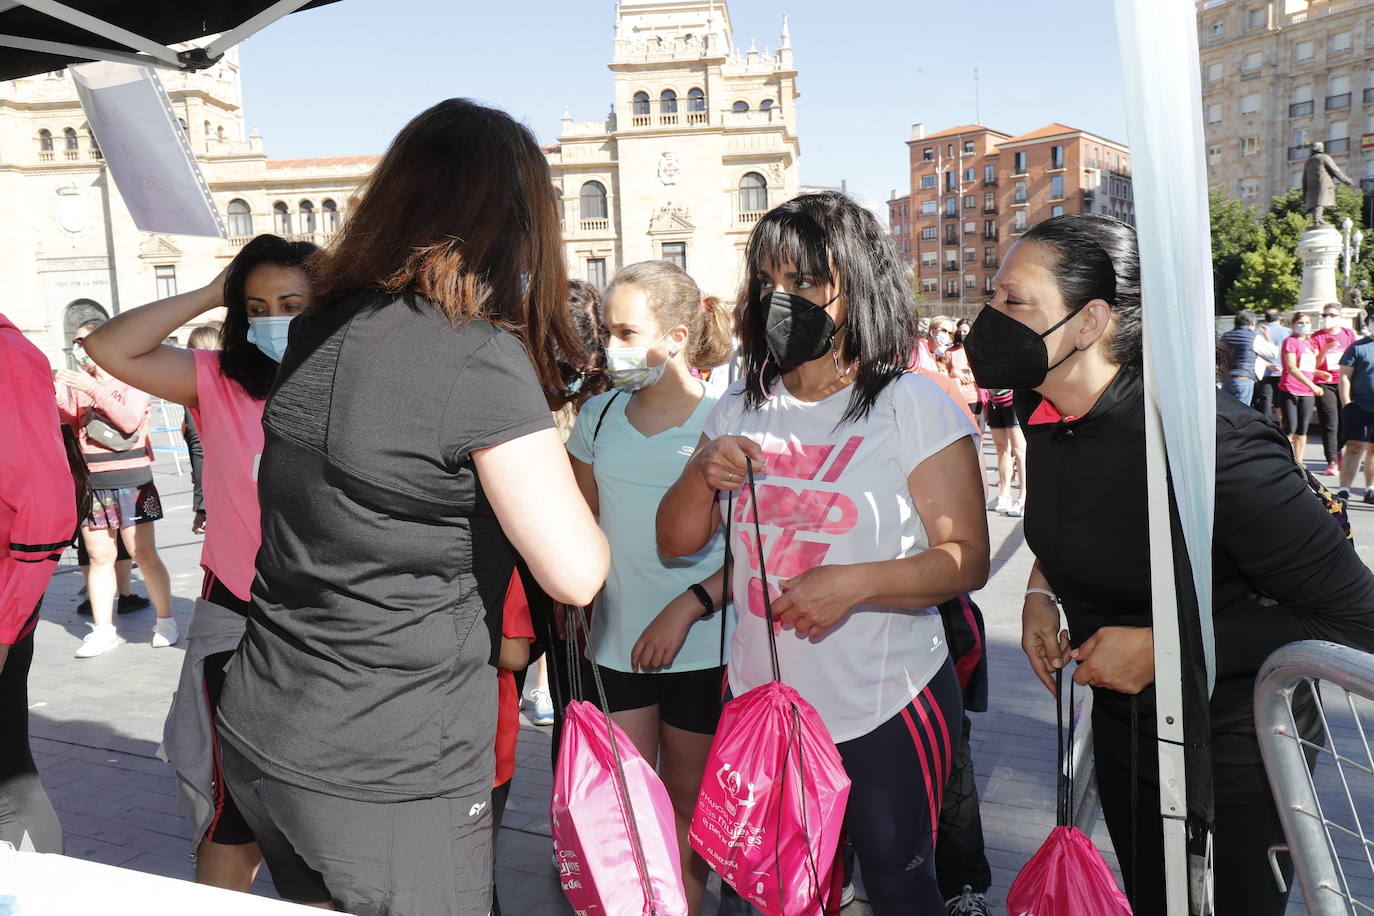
(1320, 253)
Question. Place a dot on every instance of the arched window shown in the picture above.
(667, 102)
(753, 193)
(330, 212)
(696, 100)
(69, 136)
(641, 103)
(45, 140)
(765, 104)
(219, 132)
(240, 219)
(95, 147)
(307, 210)
(207, 130)
(281, 219)
(594, 201)
(740, 106)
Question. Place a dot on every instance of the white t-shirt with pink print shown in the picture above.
(837, 493)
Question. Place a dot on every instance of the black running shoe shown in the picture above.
(127, 604)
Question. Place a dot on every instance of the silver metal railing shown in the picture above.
(1322, 809)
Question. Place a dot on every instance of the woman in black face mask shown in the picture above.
(1064, 328)
(869, 504)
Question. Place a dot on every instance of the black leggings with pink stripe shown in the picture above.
(898, 771)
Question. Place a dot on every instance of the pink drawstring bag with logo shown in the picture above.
(614, 835)
(1067, 876)
(771, 808)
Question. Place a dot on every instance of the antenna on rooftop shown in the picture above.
(977, 108)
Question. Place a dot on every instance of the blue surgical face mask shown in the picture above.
(268, 334)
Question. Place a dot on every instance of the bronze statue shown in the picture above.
(1319, 177)
(1354, 295)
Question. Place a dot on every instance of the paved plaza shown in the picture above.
(96, 725)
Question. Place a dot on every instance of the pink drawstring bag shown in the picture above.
(771, 809)
(1067, 876)
(614, 835)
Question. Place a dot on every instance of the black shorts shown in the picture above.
(1000, 416)
(1358, 423)
(1296, 410)
(227, 826)
(689, 700)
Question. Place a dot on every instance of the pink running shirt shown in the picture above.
(1306, 357)
(230, 425)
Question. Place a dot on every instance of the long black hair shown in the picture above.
(253, 370)
(829, 237)
(1096, 257)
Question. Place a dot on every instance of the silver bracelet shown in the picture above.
(1042, 591)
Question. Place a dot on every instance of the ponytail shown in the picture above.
(713, 341)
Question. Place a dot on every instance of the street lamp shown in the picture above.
(1346, 225)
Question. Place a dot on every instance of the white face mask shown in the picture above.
(628, 367)
(1331, 321)
(1302, 327)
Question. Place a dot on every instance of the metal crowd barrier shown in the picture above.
(167, 419)
(1333, 856)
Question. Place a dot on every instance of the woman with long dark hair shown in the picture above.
(1064, 330)
(410, 454)
(870, 503)
(224, 390)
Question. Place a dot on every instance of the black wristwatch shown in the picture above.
(705, 598)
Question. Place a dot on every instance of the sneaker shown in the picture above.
(1343, 495)
(542, 705)
(1004, 504)
(1369, 496)
(969, 903)
(847, 894)
(1016, 509)
(165, 633)
(100, 640)
(1332, 469)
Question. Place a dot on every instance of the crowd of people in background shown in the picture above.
(416, 448)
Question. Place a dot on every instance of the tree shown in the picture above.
(1268, 278)
(1234, 232)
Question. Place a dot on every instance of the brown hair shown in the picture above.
(460, 211)
(676, 300)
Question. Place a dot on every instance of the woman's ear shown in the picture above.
(1096, 321)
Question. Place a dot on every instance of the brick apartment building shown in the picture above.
(975, 190)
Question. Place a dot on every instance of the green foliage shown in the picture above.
(1254, 262)
(1268, 278)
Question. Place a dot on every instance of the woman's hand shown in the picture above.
(721, 462)
(661, 640)
(1117, 658)
(1316, 390)
(815, 601)
(198, 523)
(1045, 644)
(74, 378)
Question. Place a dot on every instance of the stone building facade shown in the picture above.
(700, 142)
(1278, 75)
(975, 190)
(69, 250)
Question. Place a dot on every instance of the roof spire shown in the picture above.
(786, 34)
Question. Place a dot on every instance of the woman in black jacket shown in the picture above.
(1064, 329)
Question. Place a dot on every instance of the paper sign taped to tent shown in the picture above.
(146, 150)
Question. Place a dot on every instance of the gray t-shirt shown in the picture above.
(367, 668)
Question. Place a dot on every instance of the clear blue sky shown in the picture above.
(341, 80)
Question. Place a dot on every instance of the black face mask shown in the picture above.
(797, 331)
(1004, 353)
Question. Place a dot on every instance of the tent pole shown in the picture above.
(80, 51)
(261, 21)
(105, 29)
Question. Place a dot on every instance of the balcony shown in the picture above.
(1368, 95)
(641, 120)
(990, 262)
(749, 217)
(1019, 198)
(952, 238)
(45, 155)
(1337, 102)
(696, 117)
(668, 119)
(990, 235)
(952, 266)
(594, 225)
(1337, 147)
(970, 258)
(1300, 109)
(1297, 152)
(992, 209)
(71, 154)
(989, 182)
(948, 215)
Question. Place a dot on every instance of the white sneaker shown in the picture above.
(1004, 505)
(101, 639)
(1016, 509)
(543, 706)
(165, 633)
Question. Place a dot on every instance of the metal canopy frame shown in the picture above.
(142, 50)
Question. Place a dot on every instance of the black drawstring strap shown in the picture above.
(1064, 801)
(794, 725)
